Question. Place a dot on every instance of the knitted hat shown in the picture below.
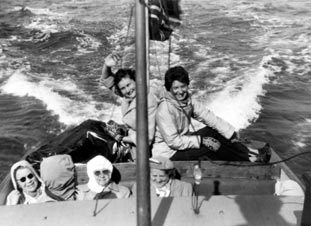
(160, 162)
(25, 164)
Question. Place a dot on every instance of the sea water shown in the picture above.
(249, 62)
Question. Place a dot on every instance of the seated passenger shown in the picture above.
(217, 141)
(58, 175)
(123, 83)
(162, 180)
(100, 184)
(28, 186)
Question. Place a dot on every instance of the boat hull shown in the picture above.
(213, 210)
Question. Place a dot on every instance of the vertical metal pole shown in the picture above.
(142, 164)
(306, 217)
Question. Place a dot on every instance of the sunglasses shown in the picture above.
(23, 179)
(99, 172)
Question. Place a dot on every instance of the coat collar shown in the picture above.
(128, 105)
(112, 186)
(168, 96)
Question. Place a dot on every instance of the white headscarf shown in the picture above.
(26, 164)
(99, 162)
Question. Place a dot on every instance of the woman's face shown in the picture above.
(127, 87)
(179, 90)
(159, 178)
(26, 180)
(102, 177)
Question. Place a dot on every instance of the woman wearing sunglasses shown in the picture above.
(100, 184)
(28, 186)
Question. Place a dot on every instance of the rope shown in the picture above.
(144, 3)
(128, 30)
(261, 164)
(169, 52)
(195, 198)
(125, 41)
(158, 65)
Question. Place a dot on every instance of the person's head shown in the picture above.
(161, 171)
(25, 178)
(125, 81)
(177, 82)
(58, 174)
(99, 171)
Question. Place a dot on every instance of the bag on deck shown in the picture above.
(83, 142)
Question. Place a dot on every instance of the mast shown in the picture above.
(142, 163)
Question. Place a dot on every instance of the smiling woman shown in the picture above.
(123, 84)
(163, 180)
(218, 140)
(28, 186)
(101, 184)
(125, 78)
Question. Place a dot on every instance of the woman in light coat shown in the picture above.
(217, 140)
(123, 83)
(28, 186)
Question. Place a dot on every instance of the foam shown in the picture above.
(38, 11)
(70, 112)
(302, 134)
(42, 25)
(238, 102)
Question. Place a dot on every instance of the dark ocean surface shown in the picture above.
(250, 62)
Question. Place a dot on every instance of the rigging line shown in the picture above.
(112, 111)
(262, 164)
(169, 52)
(195, 198)
(126, 39)
(95, 207)
(158, 65)
(144, 3)
(128, 29)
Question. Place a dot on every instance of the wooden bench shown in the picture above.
(218, 177)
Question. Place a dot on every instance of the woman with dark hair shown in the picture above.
(123, 83)
(217, 141)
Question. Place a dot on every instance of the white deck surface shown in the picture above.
(216, 210)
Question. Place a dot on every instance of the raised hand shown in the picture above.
(112, 60)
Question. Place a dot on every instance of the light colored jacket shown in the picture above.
(128, 109)
(173, 120)
(119, 191)
(178, 188)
